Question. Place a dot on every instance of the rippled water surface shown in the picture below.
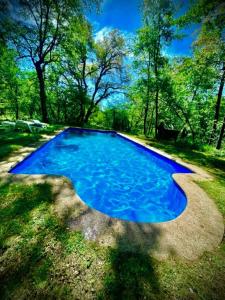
(112, 174)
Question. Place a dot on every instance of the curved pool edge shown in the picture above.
(199, 228)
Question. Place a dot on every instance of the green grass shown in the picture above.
(41, 259)
(211, 159)
(11, 141)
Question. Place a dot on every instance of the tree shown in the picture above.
(9, 80)
(156, 32)
(94, 69)
(221, 135)
(40, 28)
(210, 14)
(193, 80)
(158, 17)
(212, 51)
(143, 52)
(139, 106)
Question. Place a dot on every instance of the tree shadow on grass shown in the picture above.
(35, 244)
(23, 233)
(36, 263)
(131, 273)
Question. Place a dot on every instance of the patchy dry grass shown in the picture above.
(41, 259)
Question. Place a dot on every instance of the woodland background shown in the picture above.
(53, 68)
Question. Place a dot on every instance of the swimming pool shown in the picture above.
(112, 174)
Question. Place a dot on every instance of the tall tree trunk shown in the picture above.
(145, 117)
(58, 109)
(17, 108)
(219, 143)
(156, 111)
(65, 113)
(147, 98)
(82, 114)
(150, 122)
(114, 119)
(187, 121)
(217, 107)
(16, 103)
(88, 114)
(42, 93)
(156, 57)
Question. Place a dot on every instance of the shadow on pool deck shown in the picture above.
(135, 274)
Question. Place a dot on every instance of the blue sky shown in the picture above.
(125, 15)
(121, 14)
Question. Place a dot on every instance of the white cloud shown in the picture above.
(104, 31)
(99, 35)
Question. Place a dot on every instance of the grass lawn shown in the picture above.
(41, 259)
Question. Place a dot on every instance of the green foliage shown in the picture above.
(92, 69)
(9, 82)
(40, 258)
(81, 74)
(204, 11)
(183, 92)
(149, 61)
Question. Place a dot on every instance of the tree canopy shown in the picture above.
(54, 67)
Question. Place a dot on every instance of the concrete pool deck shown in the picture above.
(198, 229)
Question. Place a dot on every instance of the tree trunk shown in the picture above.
(17, 109)
(88, 114)
(16, 104)
(219, 143)
(42, 93)
(187, 121)
(82, 114)
(156, 57)
(217, 107)
(147, 98)
(145, 117)
(156, 111)
(65, 113)
(150, 122)
(114, 119)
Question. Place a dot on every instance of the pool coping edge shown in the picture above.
(185, 181)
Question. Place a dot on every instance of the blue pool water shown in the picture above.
(112, 174)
